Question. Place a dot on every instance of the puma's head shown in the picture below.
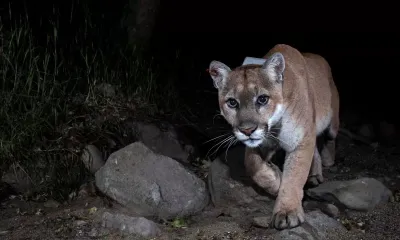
(250, 97)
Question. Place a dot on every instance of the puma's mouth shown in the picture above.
(253, 139)
(252, 142)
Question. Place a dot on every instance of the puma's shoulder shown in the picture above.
(309, 74)
(312, 62)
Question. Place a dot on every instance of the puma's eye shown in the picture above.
(232, 103)
(262, 100)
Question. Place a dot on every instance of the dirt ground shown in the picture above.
(81, 218)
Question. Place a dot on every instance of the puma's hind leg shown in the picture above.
(315, 176)
(328, 153)
(329, 148)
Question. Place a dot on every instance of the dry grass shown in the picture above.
(52, 105)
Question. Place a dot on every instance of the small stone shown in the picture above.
(51, 204)
(93, 233)
(92, 158)
(79, 223)
(262, 222)
(87, 189)
(92, 210)
(39, 212)
(72, 195)
(331, 210)
(327, 208)
(131, 225)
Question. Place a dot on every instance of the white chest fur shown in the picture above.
(291, 134)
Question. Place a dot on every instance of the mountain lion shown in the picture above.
(284, 103)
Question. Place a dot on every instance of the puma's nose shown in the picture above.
(247, 130)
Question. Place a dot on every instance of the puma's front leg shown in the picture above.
(288, 211)
(264, 173)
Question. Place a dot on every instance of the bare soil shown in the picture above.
(81, 218)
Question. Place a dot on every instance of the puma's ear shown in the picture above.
(274, 67)
(219, 73)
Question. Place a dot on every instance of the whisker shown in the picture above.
(212, 139)
(220, 143)
(232, 142)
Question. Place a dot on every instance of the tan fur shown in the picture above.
(303, 102)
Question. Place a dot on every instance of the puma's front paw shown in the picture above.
(286, 217)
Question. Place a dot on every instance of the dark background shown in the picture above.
(360, 42)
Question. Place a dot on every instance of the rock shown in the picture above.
(92, 158)
(232, 190)
(317, 226)
(87, 189)
(18, 179)
(224, 189)
(263, 222)
(93, 233)
(51, 204)
(327, 208)
(151, 184)
(228, 182)
(331, 210)
(131, 225)
(162, 142)
(80, 223)
(359, 194)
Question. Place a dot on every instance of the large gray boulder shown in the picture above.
(150, 184)
(359, 194)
